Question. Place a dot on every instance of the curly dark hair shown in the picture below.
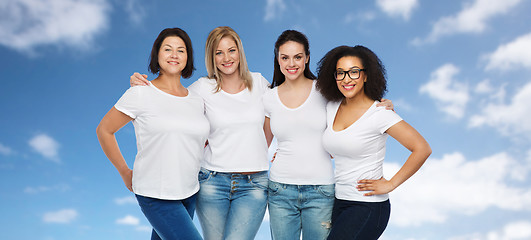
(154, 66)
(376, 84)
(294, 36)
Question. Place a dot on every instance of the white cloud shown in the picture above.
(5, 150)
(133, 221)
(402, 105)
(61, 216)
(135, 10)
(472, 18)
(519, 230)
(509, 119)
(41, 189)
(144, 228)
(484, 87)
(125, 200)
(46, 146)
(397, 8)
(364, 16)
(128, 220)
(450, 95)
(274, 8)
(436, 192)
(511, 55)
(27, 24)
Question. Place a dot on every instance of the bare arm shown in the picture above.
(138, 79)
(110, 124)
(420, 151)
(267, 131)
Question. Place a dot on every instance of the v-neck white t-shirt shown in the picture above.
(359, 150)
(301, 158)
(170, 135)
(236, 142)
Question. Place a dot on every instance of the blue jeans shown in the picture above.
(171, 219)
(296, 207)
(359, 220)
(231, 205)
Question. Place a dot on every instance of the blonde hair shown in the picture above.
(214, 37)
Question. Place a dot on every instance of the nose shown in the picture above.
(173, 54)
(291, 62)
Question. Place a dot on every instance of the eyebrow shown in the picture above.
(282, 54)
(168, 45)
(350, 68)
(233, 47)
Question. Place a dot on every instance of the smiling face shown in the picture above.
(292, 60)
(349, 87)
(227, 57)
(172, 56)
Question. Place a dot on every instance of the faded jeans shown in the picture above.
(296, 208)
(231, 205)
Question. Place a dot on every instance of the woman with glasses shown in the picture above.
(301, 179)
(353, 79)
(232, 200)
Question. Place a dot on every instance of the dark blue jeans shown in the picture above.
(171, 219)
(359, 220)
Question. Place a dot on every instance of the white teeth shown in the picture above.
(292, 70)
(348, 87)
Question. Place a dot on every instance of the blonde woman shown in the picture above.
(232, 200)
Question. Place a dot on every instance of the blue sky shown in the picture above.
(459, 72)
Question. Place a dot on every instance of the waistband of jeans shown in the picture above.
(234, 174)
(314, 186)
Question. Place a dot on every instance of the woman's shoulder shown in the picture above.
(259, 80)
(201, 83)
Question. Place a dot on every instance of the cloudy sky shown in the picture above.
(459, 72)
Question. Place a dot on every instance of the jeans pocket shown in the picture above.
(327, 190)
(273, 188)
(259, 180)
(203, 175)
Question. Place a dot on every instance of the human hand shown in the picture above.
(138, 79)
(274, 156)
(388, 104)
(375, 187)
(127, 177)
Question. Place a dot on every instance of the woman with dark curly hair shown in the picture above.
(353, 79)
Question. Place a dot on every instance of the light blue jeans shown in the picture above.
(293, 208)
(231, 205)
(171, 219)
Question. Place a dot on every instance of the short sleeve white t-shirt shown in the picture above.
(236, 142)
(301, 158)
(359, 150)
(170, 134)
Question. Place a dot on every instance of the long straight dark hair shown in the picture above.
(298, 37)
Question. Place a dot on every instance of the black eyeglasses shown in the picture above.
(353, 73)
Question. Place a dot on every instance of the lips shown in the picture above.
(292, 71)
(227, 64)
(349, 86)
(173, 62)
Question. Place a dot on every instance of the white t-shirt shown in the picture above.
(359, 150)
(301, 158)
(170, 135)
(237, 141)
